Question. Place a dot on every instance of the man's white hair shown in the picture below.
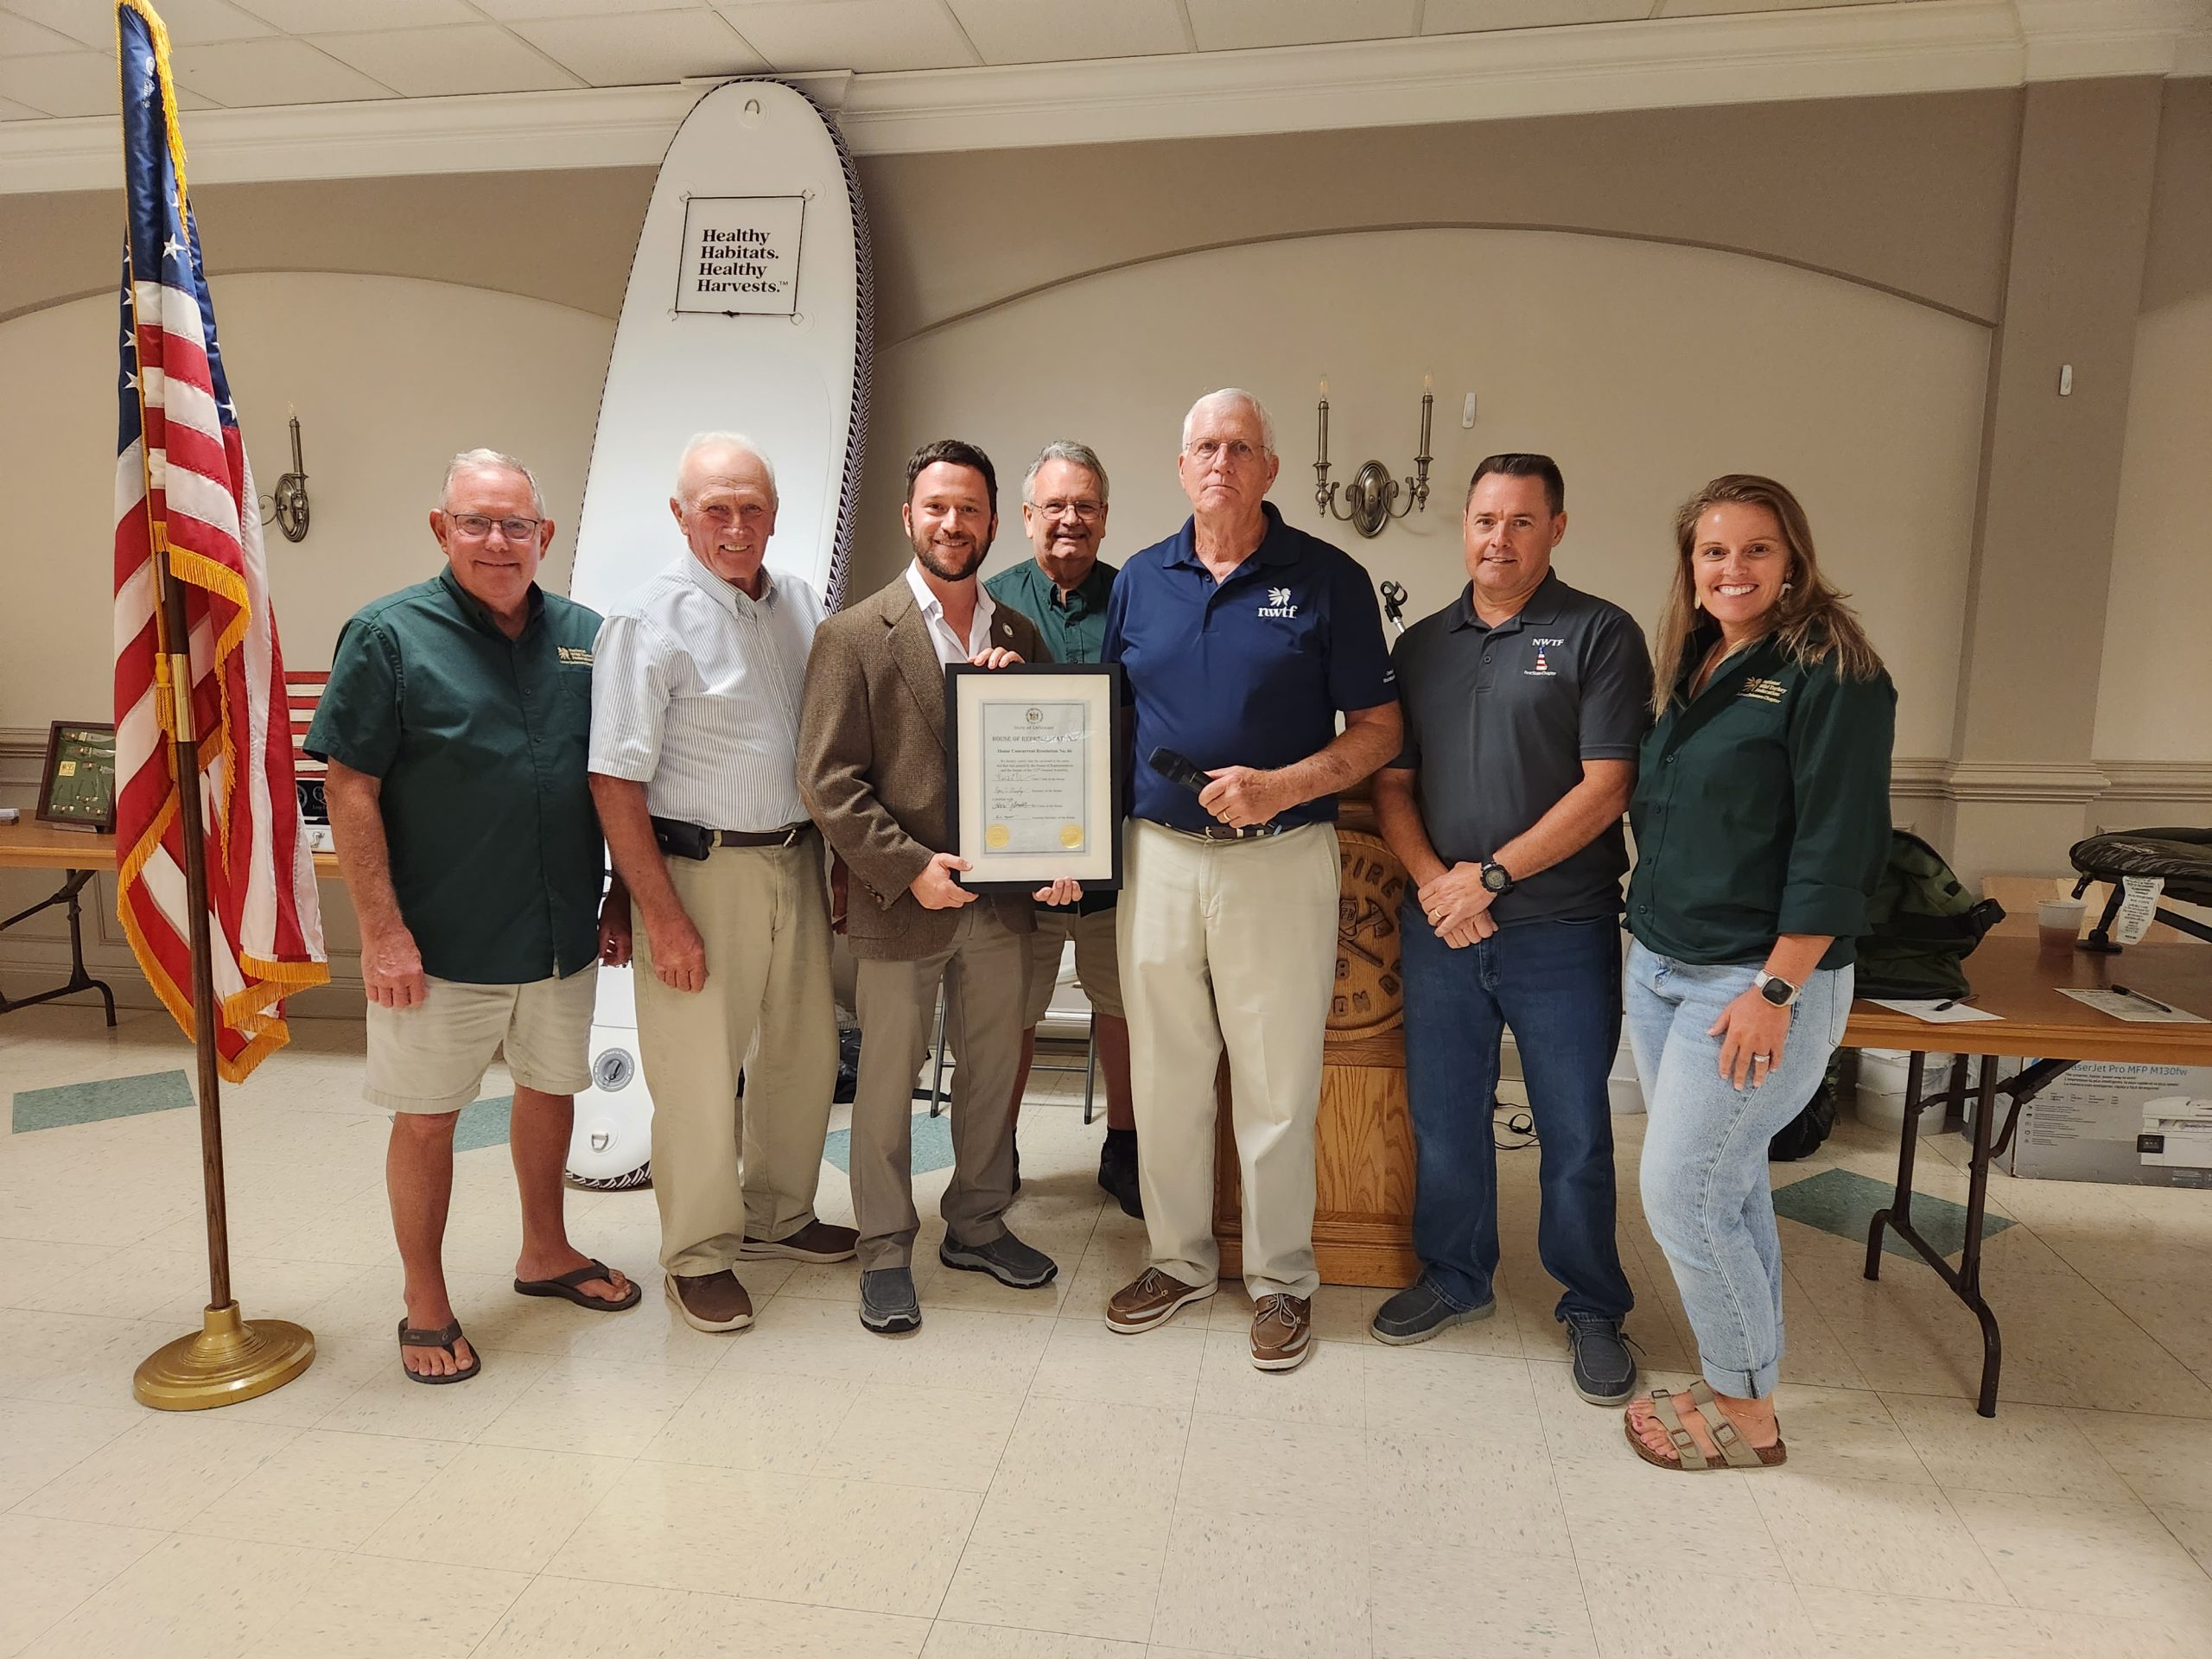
(490, 460)
(737, 441)
(1234, 394)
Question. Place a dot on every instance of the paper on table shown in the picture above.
(2135, 1009)
(1931, 1010)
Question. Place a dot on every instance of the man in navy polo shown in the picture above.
(1242, 639)
(1525, 701)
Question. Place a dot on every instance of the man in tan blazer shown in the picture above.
(871, 771)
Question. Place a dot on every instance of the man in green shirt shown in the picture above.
(455, 724)
(1063, 590)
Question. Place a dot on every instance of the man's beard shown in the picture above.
(937, 564)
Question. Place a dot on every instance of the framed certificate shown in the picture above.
(1032, 783)
(77, 787)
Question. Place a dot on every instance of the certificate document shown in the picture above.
(1031, 778)
(1035, 784)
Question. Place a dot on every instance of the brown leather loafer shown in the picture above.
(1282, 1332)
(1150, 1301)
(710, 1301)
(818, 1240)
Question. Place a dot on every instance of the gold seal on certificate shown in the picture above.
(1030, 774)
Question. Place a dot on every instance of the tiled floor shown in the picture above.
(1016, 1481)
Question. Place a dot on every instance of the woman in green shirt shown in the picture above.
(1761, 817)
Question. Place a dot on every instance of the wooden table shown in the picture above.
(80, 855)
(2019, 981)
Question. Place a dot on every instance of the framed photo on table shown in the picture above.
(1031, 779)
(76, 789)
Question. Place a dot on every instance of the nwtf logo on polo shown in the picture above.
(1278, 603)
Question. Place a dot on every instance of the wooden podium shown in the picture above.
(1363, 1220)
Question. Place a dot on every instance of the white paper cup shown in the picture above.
(2058, 923)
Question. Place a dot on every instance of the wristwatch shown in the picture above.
(1494, 877)
(1776, 989)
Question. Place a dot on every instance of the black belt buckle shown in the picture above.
(681, 840)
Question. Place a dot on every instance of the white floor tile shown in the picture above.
(497, 1506)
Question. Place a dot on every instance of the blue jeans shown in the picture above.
(1706, 1190)
(1557, 986)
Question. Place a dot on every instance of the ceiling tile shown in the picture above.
(68, 83)
(10, 110)
(196, 22)
(19, 37)
(88, 25)
(865, 35)
(1467, 16)
(1710, 8)
(438, 62)
(1227, 25)
(247, 73)
(1056, 31)
(507, 11)
(642, 50)
(335, 17)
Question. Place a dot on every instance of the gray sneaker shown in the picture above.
(1420, 1311)
(888, 1305)
(1605, 1371)
(1005, 1258)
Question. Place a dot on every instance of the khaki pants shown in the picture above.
(1097, 968)
(1228, 942)
(763, 913)
(985, 973)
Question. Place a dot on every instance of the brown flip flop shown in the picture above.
(411, 1338)
(569, 1289)
(1736, 1452)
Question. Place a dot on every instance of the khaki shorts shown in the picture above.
(432, 1057)
(1097, 962)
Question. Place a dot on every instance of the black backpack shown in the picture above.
(1921, 926)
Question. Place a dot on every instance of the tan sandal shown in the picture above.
(1736, 1452)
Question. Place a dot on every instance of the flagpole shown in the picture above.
(231, 1358)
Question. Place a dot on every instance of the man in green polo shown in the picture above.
(1063, 590)
(456, 724)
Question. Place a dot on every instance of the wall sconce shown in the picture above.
(288, 505)
(1373, 495)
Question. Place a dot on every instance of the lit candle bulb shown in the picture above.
(1322, 443)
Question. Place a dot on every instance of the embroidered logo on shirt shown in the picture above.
(1542, 664)
(575, 654)
(1764, 691)
(1278, 603)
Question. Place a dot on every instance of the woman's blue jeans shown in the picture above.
(1706, 1189)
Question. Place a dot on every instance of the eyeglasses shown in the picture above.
(474, 526)
(1206, 451)
(1088, 512)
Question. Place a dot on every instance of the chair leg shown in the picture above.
(936, 1060)
(1089, 1067)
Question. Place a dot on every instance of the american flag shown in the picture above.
(181, 482)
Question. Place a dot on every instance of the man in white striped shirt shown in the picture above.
(694, 745)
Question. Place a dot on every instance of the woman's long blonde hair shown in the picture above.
(1810, 618)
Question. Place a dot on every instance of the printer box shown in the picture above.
(2144, 1125)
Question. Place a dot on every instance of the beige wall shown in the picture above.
(2155, 689)
(1645, 368)
(391, 376)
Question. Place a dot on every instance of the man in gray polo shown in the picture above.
(1525, 701)
(694, 749)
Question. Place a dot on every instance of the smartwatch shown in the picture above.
(1774, 989)
(1494, 877)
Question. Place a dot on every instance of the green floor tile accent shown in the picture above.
(483, 1124)
(932, 1145)
(94, 1103)
(1839, 1202)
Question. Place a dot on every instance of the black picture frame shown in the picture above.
(978, 880)
(72, 743)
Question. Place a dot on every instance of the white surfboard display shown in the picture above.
(750, 308)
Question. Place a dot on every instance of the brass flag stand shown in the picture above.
(232, 1358)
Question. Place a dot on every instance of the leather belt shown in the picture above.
(1225, 832)
(787, 837)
